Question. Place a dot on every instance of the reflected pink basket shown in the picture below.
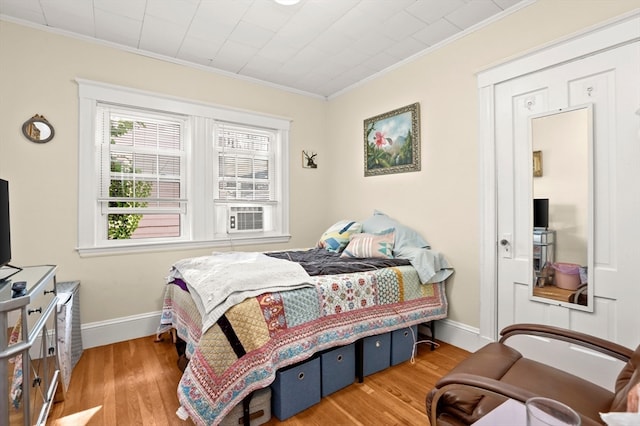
(567, 275)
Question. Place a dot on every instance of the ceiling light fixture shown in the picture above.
(287, 2)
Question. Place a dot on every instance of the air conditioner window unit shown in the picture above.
(245, 219)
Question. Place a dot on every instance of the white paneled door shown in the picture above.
(608, 82)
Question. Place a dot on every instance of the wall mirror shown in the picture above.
(38, 129)
(562, 207)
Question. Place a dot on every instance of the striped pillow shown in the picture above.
(371, 245)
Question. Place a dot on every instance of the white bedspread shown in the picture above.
(220, 281)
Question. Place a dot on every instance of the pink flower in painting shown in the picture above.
(381, 140)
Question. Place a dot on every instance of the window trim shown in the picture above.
(202, 116)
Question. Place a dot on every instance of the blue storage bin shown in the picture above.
(402, 342)
(296, 388)
(338, 368)
(376, 353)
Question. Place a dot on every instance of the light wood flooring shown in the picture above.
(135, 382)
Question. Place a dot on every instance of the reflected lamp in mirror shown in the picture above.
(37, 129)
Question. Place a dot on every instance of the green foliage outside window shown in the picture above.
(123, 225)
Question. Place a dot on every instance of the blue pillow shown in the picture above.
(404, 236)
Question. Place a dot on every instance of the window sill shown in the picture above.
(181, 245)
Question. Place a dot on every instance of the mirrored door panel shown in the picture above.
(562, 144)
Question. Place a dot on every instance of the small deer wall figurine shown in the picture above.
(310, 159)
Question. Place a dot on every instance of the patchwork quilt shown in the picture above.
(245, 347)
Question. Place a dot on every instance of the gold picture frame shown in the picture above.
(537, 163)
(392, 141)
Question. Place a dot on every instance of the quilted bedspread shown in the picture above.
(243, 350)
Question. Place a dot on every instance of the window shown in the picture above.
(243, 164)
(141, 174)
(156, 172)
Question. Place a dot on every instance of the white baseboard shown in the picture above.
(102, 333)
(126, 328)
(107, 332)
(460, 335)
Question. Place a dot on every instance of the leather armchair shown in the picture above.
(497, 372)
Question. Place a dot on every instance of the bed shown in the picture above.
(309, 301)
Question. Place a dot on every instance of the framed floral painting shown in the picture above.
(392, 142)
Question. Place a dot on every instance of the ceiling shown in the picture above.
(319, 47)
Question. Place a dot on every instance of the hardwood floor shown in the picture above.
(135, 383)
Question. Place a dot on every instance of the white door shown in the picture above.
(610, 82)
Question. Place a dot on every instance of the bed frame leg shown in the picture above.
(431, 325)
(246, 410)
(360, 360)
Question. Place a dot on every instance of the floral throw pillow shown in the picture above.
(336, 238)
(371, 245)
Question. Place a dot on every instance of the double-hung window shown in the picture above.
(142, 174)
(159, 172)
(244, 176)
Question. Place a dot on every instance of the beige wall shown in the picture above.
(441, 201)
(37, 70)
(563, 139)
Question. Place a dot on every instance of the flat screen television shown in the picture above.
(5, 235)
(540, 213)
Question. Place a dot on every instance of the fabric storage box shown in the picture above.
(296, 388)
(338, 368)
(376, 353)
(259, 410)
(402, 344)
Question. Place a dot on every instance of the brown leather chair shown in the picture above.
(497, 372)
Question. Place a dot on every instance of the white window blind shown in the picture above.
(141, 173)
(245, 158)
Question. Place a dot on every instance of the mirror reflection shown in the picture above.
(38, 129)
(561, 144)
